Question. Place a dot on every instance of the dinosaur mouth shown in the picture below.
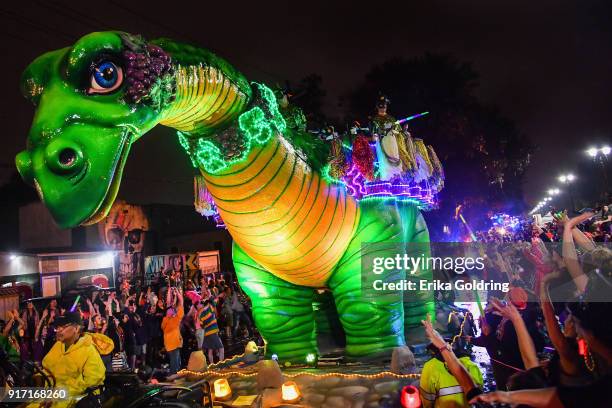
(113, 189)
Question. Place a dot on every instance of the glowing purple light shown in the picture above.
(419, 192)
(355, 183)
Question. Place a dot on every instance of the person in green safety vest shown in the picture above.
(439, 388)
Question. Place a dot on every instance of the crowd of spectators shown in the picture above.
(548, 337)
(157, 326)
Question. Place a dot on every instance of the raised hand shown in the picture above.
(432, 334)
(571, 223)
(560, 218)
(506, 309)
(484, 326)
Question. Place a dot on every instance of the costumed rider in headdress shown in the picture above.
(337, 159)
(392, 154)
(362, 156)
(294, 116)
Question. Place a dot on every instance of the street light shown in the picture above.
(553, 191)
(601, 155)
(594, 151)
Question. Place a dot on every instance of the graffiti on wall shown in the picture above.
(123, 230)
(189, 266)
(159, 266)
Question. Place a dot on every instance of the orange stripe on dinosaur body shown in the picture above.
(306, 198)
(285, 216)
(267, 182)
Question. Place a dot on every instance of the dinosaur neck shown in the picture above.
(284, 215)
(279, 211)
(210, 92)
(206, 100)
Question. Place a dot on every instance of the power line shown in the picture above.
(37, 26)
(77, 16)
(272, 76)
(151, 20)
(16, 37)
(81, 18)
(72, 14)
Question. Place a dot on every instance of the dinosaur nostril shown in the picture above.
(67, 157)
(64, 157)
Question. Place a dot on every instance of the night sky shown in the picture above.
(546, 64)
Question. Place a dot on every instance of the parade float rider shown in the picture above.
(74, 359)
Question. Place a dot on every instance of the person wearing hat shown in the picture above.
(385, 133)
(294, 116)
(382, 122)
(74, 360)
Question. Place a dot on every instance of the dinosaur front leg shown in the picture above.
(282, 311)
(372, 320)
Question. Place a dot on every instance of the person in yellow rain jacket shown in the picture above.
(439, 388)
(74, 359)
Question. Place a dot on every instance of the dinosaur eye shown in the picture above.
(105, 78)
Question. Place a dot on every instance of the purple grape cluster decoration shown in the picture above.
(149, 76)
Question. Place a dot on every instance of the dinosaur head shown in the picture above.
(92, 101)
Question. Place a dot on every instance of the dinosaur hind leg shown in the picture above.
(372, 320)
(417, 303)
(282, 311)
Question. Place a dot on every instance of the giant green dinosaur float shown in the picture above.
(294, 232)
